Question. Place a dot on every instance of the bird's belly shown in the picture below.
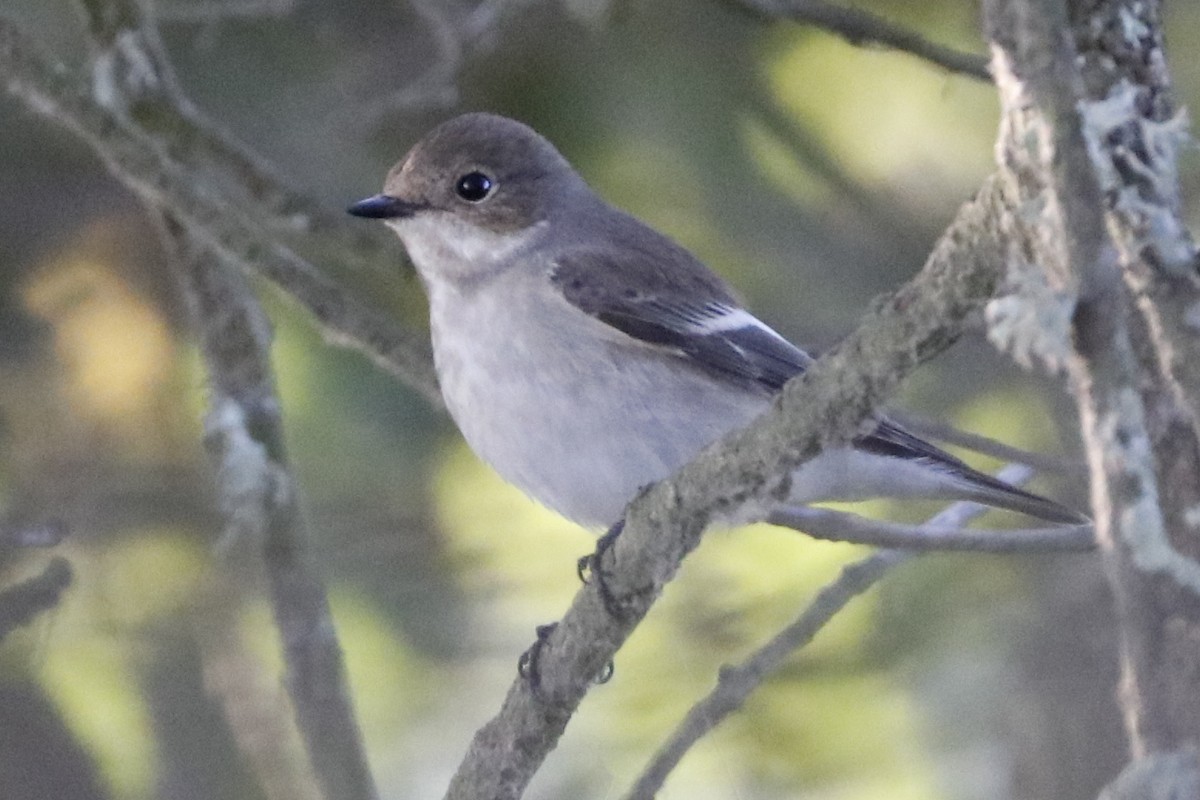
(578, 422)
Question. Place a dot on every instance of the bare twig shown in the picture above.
(227, 223)
(436, 87)
(839, 526)
(47, 533)
(863, 28)
(456, 34)
(260, 503)
(209, 11)
(985, 445)
(21, 603)
(823, 408)
(132, 78)
(736, 683)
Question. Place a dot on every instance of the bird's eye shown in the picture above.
(473, 187)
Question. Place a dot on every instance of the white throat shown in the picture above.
(445, 248)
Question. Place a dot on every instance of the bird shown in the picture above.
(584, 355)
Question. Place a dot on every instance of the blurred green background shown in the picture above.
(811, 174)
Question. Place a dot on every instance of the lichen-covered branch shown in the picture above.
(1096, 217)
(824, 407)
(131, 80)
(260, 505)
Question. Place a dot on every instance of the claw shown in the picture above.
(589, 569)
(527, 664)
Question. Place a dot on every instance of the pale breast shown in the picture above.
(565, 408)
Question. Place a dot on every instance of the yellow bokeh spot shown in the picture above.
(884, 116)
(779, 165)
(838, 721)
(632, 175)
(259, 634)
(766, 575)
(1011, 416)
(148, 576)
(389, 680)
(91, 662)
(91, 680)
(511, 551)
(294, 354)
(114, 346)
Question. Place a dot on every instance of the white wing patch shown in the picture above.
(722, 318)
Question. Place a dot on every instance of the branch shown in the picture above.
(19, 604)
(457, 35)
(207, 12)
(824, 407)
(14, 533)
(928, 428)
(1069, 185)
(244, 431)
(133, 78)
(861, 28)
(259, 500)
(735, 684)
(435, 87)
(839, 526)
(1158, 776)
(245, 227)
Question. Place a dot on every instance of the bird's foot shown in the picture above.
(529, 664)
(590, 568)
(529, 667)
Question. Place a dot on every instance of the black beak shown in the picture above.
(384, 206)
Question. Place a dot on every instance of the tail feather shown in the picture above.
(985, 489)
(890, 439)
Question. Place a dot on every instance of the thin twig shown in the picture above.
(840, 526)
(47, 533)
(860, 28)
(21, 603)
(168, 180)
(735, 684)
(132, 77)
(206, 12)
(984, 445)
(436, 87)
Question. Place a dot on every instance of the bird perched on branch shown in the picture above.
(584, 355)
